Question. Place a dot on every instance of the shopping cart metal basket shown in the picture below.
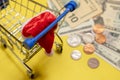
(13, 14)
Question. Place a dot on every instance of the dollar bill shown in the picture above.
(80, 28)
(113, 41)
(101, 3)
(110, 50)
(52, 6)
(111, 16)
(114, 1)
(86, 10)
(108, 55)
(65, 28)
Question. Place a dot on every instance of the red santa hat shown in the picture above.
(38, 24)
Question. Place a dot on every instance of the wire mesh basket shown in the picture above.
(13, 14)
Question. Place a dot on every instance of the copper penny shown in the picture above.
(98, 28)
(93, 63)
(100, 38)
(89, 48)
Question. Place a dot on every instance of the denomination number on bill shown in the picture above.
(73, 18)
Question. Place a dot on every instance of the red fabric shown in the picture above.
(38, 24)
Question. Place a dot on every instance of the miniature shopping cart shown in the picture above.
(14, 13)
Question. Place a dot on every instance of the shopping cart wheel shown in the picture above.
(3, 43)
(31, 75)
(59, 48)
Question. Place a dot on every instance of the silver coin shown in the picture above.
(88, 38)
(74, 40)
(76, 54)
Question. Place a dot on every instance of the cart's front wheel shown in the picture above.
(31, 75)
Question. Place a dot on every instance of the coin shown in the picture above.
(76, 54)
(88, 38)
(100, 38)
(89, 48)
(93, 63)
(74, 40)
(98, 28)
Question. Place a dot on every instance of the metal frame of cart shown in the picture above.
(13, 14)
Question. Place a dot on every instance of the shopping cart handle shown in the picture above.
(30, 42)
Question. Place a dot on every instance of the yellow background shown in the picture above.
(56, 67)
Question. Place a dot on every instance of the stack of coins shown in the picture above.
(99, 36)
(89, 38)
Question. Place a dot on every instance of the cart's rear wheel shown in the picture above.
(4, 45)
(59, 48)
